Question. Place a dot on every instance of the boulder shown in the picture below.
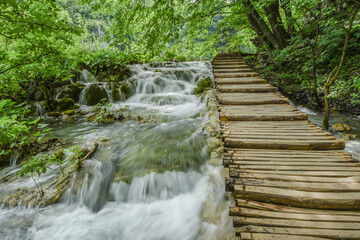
(347, 128)
(70, 112)
(94, 94)
(126, 91)
(116, 73)
(115, 94)
(203, 84)
(337, 127)
(71, 91)
(65, 104)
(54, 114)
(348, 137)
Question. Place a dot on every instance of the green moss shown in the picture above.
(126, 91)
(65, 104)
(70, 112)
(203, 85)
(116, 94)
(94, 94)
(55, 114)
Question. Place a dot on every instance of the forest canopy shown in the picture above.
(44, 44)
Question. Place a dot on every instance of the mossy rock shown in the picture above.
(70, 112)
(72, 91)
(65, 104)
(59, 154)
(116, 73)
(54, 114)
(203, 85)
(126, 91)
(116, 94)
(94, 94)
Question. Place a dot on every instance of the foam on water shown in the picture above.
(149, 181)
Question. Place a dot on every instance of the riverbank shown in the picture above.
(298, 87)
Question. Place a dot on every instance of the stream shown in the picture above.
(352, 146)
(149, 180)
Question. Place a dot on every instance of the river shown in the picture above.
(148, 180)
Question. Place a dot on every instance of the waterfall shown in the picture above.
(108, 93)
(14, 158)
(86, 76)
(149, 179)
(40, 110)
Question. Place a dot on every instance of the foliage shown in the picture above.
(38, 165)
(17, 131)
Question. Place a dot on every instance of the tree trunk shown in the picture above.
(258, 23)
(273, 15)
(285, 4)
(326, 108)
(314, 78)
(255, 26)
(332, 78)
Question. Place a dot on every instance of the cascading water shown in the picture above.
(149, 180)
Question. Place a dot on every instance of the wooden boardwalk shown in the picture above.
(290, 179)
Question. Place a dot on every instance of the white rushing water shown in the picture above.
(148, 181)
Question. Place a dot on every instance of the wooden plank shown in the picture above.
(274, 133)
(234, 70)
(227, 117)
(296, 173)
(235, 75)
(282, 144)
(246, 88)
(326, 233)
(266, 236)
(303, 186)
(295, 168)
(279, 136)
(300, 214)
(321, 200)
(243, 221)
(228, 60)
(280, 153)
(230, 66)
(303, 177)
(294, 162)
(248, 204)
(251, 98)
(248, 80)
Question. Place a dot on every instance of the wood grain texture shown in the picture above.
(289, 177)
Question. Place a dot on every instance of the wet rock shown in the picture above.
(32, 198)
(203, 85)
(214, 142)
(59, 154)
(65, 104)
(348, 137)
(54, 114)
(126, 91)
(115, 73)
(347, 128)
(115, 94)
(71, 91)
(337, 127)
(94, 94)
(70, 112)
